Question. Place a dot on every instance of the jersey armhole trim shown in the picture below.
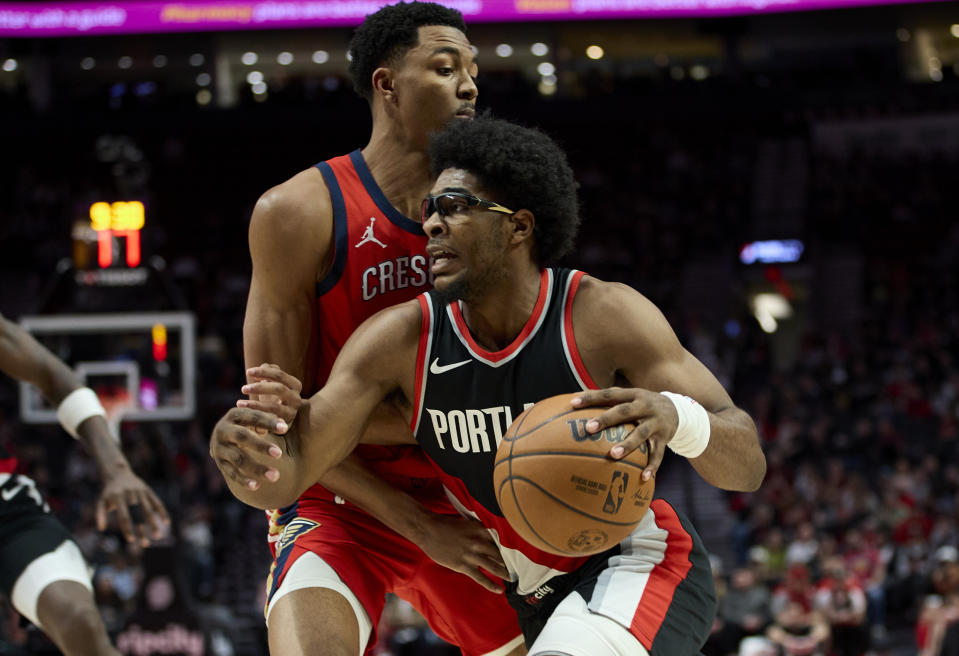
(422, 355)
(339, 231)
(569, 339)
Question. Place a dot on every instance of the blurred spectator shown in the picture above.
(743, 611)
(757, 646)
(842, 603)
(404, 632)
(195, 532)
(798, 631)
(937, 626)
(864, 563)
(804, 548)
(796, 588)
(908, 583)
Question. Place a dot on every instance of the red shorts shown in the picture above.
(373, 560)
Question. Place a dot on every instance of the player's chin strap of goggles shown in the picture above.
(79, 405)
(692, 432)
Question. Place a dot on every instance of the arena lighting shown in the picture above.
(546, 89)
(203, 97)
(254, 77)
(203, 80)
(699, 72)
(249, 58)
(595, 52)
(546, 68)
(504, 50)
(284, 58)
(159, 61)
(196, 59)
(768, 308)
(321, 57)
(87, 63)
(539, 49)
(772, 251)
(954, 30)
(10, 65)
(125, 62)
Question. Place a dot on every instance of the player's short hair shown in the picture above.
(387, 34)
(524, 168)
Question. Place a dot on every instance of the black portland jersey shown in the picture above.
(466, 397)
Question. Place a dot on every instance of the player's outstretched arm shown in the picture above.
(24, 358)
(626, 341)
(269, 471)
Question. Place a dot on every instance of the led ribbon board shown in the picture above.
(42, 19)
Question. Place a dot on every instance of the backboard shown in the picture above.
(141, 365)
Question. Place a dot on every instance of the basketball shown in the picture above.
(557, 486)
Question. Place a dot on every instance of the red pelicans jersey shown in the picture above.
(379, 260)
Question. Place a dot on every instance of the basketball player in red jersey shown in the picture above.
(330, 247)
(499, 331)
(41, 568)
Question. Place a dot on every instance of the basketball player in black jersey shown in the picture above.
(501, 330)
(41, 568)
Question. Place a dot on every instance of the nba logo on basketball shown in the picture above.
(617, 491)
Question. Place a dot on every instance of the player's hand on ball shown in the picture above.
(654, 415)
(243, 440)
(272, 390)
(464, 546)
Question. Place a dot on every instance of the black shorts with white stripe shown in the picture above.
(27, 529)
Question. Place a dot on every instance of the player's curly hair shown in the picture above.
(524, 167)
(387, 34)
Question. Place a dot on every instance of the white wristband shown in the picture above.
(692, 432)
(80, 404)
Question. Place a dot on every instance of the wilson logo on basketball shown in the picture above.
(577, 428)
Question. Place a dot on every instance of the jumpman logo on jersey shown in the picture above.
(368, 235)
